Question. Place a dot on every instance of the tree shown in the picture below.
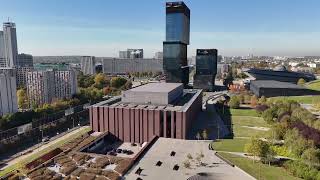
(257, 147)
(234, 102)
(301, 82)
(22, 99)
(295, 143)
(198, 136)
(186, 164)
(241, 99)
(189, 156)
(204, 134)
(262, 100)
(311, 156)
(118, 82)
(100, 81)
(106, 90)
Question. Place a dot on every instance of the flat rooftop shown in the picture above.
(161, 150)
(157, 87)
(275, 84)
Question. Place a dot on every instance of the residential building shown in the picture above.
(124, 65)
(162, 109)
(25, 60)
(10, 44)
(65, 84)
(22, 75)
(47, 86)
(175, 63)
(206, 69)
(8, 93)
(158, 55)
(88, 65)
(3, 62)
(131, 54)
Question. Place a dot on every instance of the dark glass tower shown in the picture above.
(206, 69)
(175, 62)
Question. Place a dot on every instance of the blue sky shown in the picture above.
(103, 27)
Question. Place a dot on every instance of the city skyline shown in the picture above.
(286, 28)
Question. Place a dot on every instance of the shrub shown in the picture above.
(234, 102)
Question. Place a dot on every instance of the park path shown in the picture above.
(37, 150)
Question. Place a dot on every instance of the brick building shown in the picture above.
(167, 110)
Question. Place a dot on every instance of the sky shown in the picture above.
(103, 27)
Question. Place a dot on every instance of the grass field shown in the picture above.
(243, 112)
(315, 85)
(259, 170)
(28, 159)
(231, 145)
(301, 99)
(249, 121)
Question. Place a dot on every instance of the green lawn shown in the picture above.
(240, 131)
(249, 121)
(300, 99)
(315, 85)
(259, 170)
(243, 112)
(28, 159)
(232, 145)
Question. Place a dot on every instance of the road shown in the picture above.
(37, 150)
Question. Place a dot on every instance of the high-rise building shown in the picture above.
(131, 54)
(46, 86)
(25, 60)
(8, 96)
(3, 62)
(206, 69)
(175, 63)
(65, 84)
(158, 55)
(88, 65)
(22, 75)
(10, 44)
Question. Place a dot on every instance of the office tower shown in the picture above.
(206, 69)
(175, 63)
(88, 65)
(131, 54)
(3, 62)
(10, 44)
(47, 86)
(158, 55)
(25, 60)
(8, 89)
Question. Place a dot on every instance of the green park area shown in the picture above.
(245, 124)
(258, 169)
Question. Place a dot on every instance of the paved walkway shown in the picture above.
(37, 150)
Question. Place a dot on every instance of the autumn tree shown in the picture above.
(22, 99)
(254, 101)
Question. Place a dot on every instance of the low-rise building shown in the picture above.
(166, 110)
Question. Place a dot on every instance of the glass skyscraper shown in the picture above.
(206, 69)
(175, 62)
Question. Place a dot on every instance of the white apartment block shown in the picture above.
(88, 65)
(8, 93)
(46, 86)
(65, 84)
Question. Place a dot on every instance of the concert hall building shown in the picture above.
(162, 109)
